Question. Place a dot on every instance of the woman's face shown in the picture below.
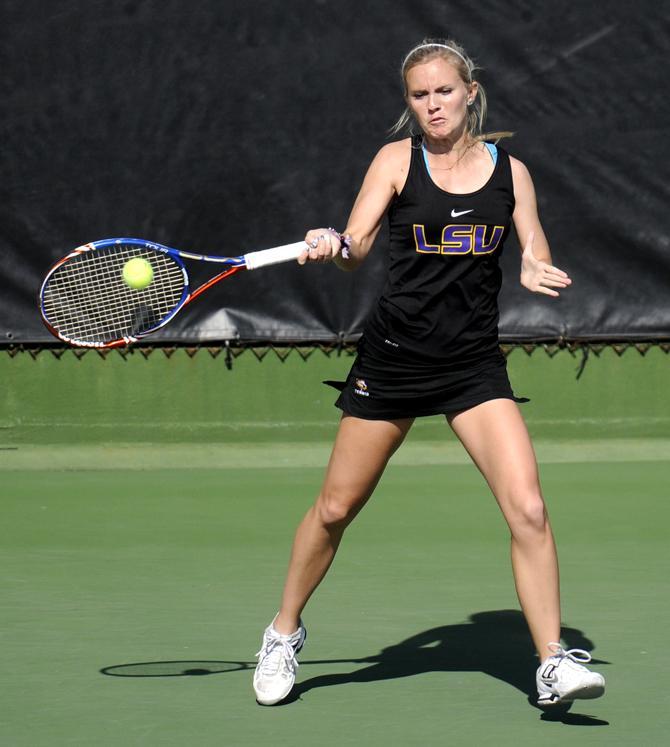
(437, 96)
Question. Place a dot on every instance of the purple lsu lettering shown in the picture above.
(460, 238)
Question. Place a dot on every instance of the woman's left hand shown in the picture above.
(538, 276)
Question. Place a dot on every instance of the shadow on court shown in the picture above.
(496, 643)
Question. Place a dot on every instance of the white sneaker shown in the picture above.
(275, 672)
(561, 678)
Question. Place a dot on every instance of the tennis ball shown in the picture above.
(137, 273)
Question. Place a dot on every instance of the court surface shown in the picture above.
(137, 579)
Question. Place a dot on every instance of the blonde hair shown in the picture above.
(453, 53)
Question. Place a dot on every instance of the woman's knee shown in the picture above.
(338, 507)
(527, 513)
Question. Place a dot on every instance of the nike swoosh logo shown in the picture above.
(456, 213)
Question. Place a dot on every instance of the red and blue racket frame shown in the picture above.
(85, 302)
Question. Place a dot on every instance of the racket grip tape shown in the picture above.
(274, 256)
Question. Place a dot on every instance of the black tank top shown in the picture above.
(440, 302)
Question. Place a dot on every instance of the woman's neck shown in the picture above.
(457, 144)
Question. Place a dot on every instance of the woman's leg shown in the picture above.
(360, 454)
(495, 436)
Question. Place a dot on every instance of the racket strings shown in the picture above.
(87, 301)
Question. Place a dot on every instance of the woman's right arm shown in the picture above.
(384, 178)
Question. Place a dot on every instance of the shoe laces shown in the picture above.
(578, 655)
(275, 651)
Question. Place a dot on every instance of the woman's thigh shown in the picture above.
(361, 451)
(495, 435)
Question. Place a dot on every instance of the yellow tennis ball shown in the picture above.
(137, 273)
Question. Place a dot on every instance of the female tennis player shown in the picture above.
(431, 347)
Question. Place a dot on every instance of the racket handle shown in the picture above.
(274, 256)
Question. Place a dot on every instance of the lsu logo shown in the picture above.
(460, 239)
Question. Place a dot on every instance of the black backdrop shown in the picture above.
(224, 126)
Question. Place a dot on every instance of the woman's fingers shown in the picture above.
(556, 271)
(555, 282)
(546, 291)
(556, 277)
(321, 246)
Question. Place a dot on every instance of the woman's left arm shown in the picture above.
(537, 272)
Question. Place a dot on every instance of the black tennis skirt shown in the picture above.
(381, 388)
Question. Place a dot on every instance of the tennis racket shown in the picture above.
(85, 301)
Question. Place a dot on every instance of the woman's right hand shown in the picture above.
(322, 245)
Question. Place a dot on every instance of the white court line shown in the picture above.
(139, 456)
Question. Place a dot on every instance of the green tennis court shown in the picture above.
(144, 545)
